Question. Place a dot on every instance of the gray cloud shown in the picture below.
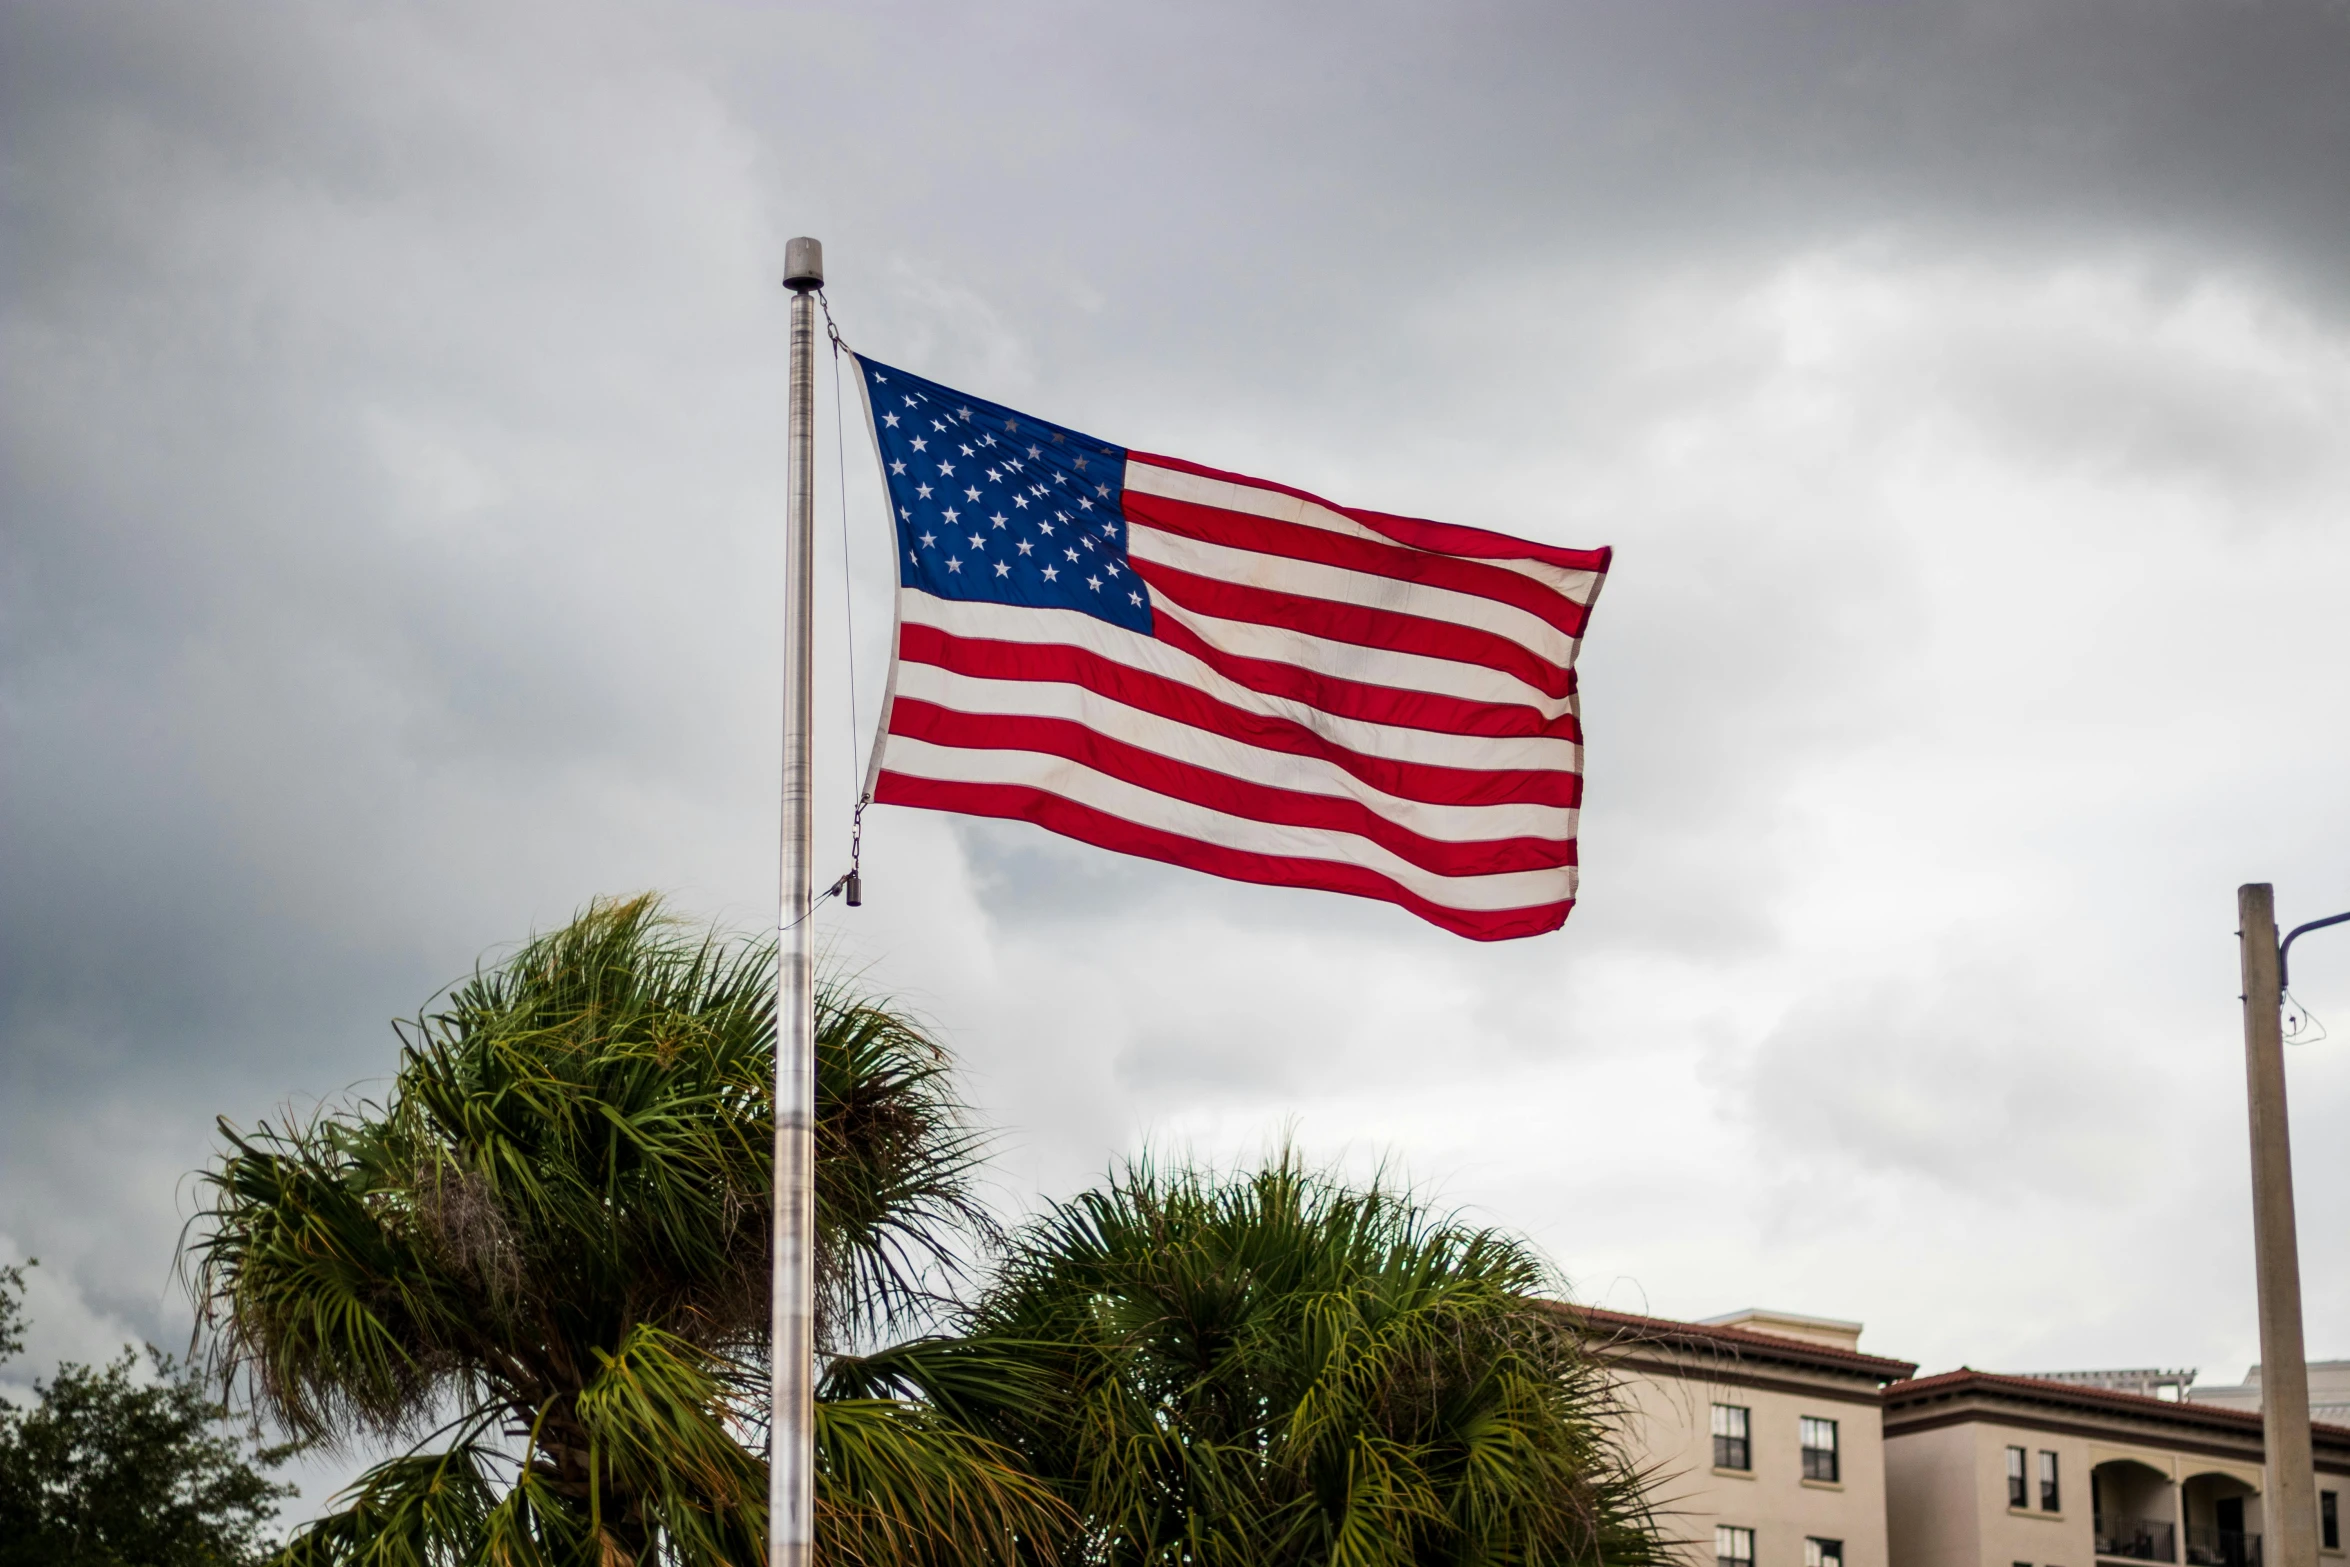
(392, 473)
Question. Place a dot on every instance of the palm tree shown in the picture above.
(545, 1255)
(1268, 1369)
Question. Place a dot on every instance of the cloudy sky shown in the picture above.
(393, 415)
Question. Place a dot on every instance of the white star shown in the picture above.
(928, 539)
(897, 465)
(947, 468)
(997, 519)
(995, 476)
(964, 414)
(1003, 568)
(937, 424)
(967, 451)
(1060, 478)
(879, 379)
(949, 514)
(1080, 465)
(1064, 516)
(1013, 463)
(920, 444)
(1052, 574)
(1036, 451)
(1021, 501)
(910, 558)
(979, 541)
(954, 564)
(921, 492)
(890, 419)
(1134, 598)
(1088, 543)
(1111, 568)
(987, 440)
(1102, 490)
(1025, 546)
(1083, 504)
(1045, 528)
(1072, 554)
(906, 512)
(1094, 583)
(909, 402)
(972, 493)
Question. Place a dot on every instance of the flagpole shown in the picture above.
(791, 1470)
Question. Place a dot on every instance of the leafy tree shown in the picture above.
(109, 1469)
(1267, 1369)
(12, 1308)
(546, 1255)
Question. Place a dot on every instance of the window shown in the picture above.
(1823, 1553)
(2329, 1519)
(1733, 1547)
(2018, 1492)
(1819, 1449)
(1731, 1448)
(2050, 1500)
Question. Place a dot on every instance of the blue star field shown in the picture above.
(994, 505)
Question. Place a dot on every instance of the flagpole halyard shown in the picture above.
(791, 1482)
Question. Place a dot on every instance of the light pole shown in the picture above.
(2289, 1502)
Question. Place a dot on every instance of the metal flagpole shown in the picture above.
(791, 1432)
(2288, 1504)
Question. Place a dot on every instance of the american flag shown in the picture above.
(1218, 672)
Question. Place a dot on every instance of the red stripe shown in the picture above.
(1186, 704)
(1358, 624)
(1297, 541)
(1440, 714)
(1217, 791)
(1115, 833)
(1444, 538)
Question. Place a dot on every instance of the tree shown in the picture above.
(1274, 1368)
(108, 1469)
(545, 1254)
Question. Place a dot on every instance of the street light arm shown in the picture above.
(2284, 973)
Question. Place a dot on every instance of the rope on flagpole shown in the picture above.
(854, 882)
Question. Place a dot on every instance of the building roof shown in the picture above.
(1914, 1394)
(1622, 1328)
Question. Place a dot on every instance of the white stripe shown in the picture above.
(1370, 666)
(1130, 802)
(1313, 579)
(1075, 628)
(1235, 758)
(1175, 485)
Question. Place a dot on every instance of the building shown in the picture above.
(1984, 1470)
(1763, 1429)
(2329, 1392)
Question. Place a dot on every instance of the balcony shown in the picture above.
(2222, 1548)
(2138, 1539)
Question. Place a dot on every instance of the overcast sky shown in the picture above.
(393, 419)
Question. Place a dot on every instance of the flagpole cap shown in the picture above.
(803, 264)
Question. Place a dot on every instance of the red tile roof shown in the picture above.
(1625, 1329)
(1966, 1379)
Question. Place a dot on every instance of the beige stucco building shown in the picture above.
(1764, 1431)
(1984, 1470)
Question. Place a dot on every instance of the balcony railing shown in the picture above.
(2222, 1548)
(2139, 1539)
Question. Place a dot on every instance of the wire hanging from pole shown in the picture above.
(853, 884)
